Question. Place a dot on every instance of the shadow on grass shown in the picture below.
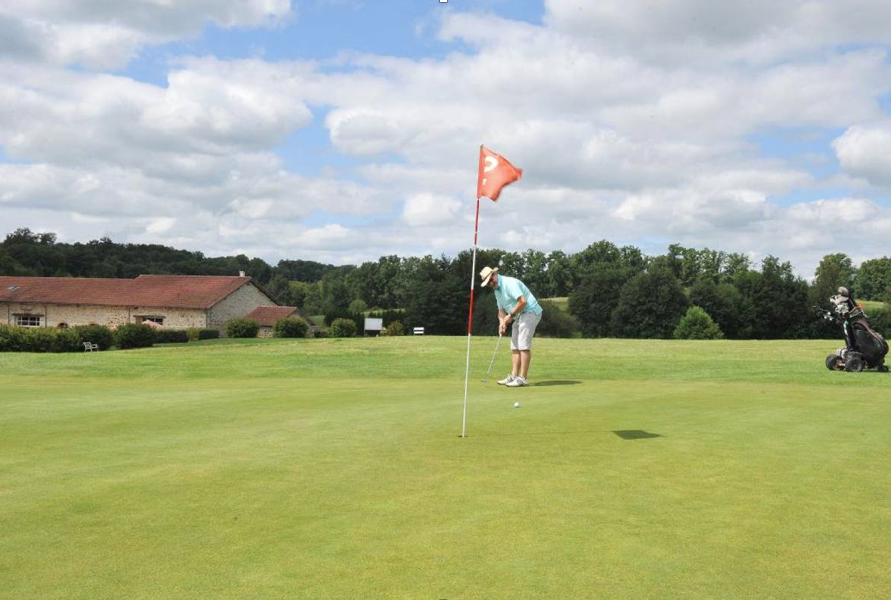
(555, 382)
(625, 434)
(635, 434)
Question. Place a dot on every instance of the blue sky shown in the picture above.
(341, 130)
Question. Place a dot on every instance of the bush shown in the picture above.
(171, 336)
(343, 328)
(394, 328)
(697, 325)
(320, 333)
(12, 339)
(135, 335)
(242, 328)
(291, 327)
(208, 334)
(97, 334)
(357, 318)
(557, 323)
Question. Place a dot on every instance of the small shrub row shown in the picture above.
(171, 336)
(134, 335)
(42, 339)
(71, 339)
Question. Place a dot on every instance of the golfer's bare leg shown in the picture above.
(515, 362)
(525, 359)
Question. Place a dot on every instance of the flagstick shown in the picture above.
(476, 228)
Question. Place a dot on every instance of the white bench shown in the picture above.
(418, 331)
(90, 346)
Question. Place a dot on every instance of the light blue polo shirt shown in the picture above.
(509, 290)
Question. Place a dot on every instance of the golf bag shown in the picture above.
(864, 348)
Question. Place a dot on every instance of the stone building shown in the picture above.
(172, 301)
(266, 316)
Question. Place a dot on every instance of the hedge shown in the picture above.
(134, 335)
(171, 336)
(43, 339)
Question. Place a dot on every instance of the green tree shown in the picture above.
(696, 324)
(731, 311)
(280, 290)
(559, 274)
(650, 305)
(595, 299)
(358, 306)
(874, 278)
(834, 270)
(780, 302)
(10, 266)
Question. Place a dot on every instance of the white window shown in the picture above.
(27, 320)
(156, 320)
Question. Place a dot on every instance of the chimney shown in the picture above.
(241, 274)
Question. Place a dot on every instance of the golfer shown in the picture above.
(519, 308)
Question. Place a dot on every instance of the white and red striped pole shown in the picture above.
(470, 316)
(476, 230)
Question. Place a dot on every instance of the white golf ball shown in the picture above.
(516, 405)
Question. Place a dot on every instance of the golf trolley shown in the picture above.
(864, 347)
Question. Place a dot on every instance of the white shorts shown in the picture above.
(522, 331)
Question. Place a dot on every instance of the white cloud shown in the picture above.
(756, 31)
(426, 209)
(633, 121)
(866, 152)
(105, 34)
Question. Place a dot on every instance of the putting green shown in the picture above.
(334, 469)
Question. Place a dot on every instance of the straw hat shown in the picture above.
(486, 274)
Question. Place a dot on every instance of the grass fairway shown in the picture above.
(334, 469)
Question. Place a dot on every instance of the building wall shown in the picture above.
(238, 304)
(174, 318)
(265, 332)
(112, 316)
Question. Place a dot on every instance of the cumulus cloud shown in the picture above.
(426, 209)
(866, 152)
(102, 34)
(633, 121)
(757, 31)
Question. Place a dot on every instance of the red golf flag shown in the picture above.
(495, 172)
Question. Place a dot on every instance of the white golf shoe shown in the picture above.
(517, 382)
(506, 380)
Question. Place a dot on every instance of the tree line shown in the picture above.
(612, 291)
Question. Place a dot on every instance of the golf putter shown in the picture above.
(491, 362)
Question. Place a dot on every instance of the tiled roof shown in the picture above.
(163, 291)
(266, 316)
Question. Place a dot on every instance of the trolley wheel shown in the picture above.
(833, 362)
(854, 363)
